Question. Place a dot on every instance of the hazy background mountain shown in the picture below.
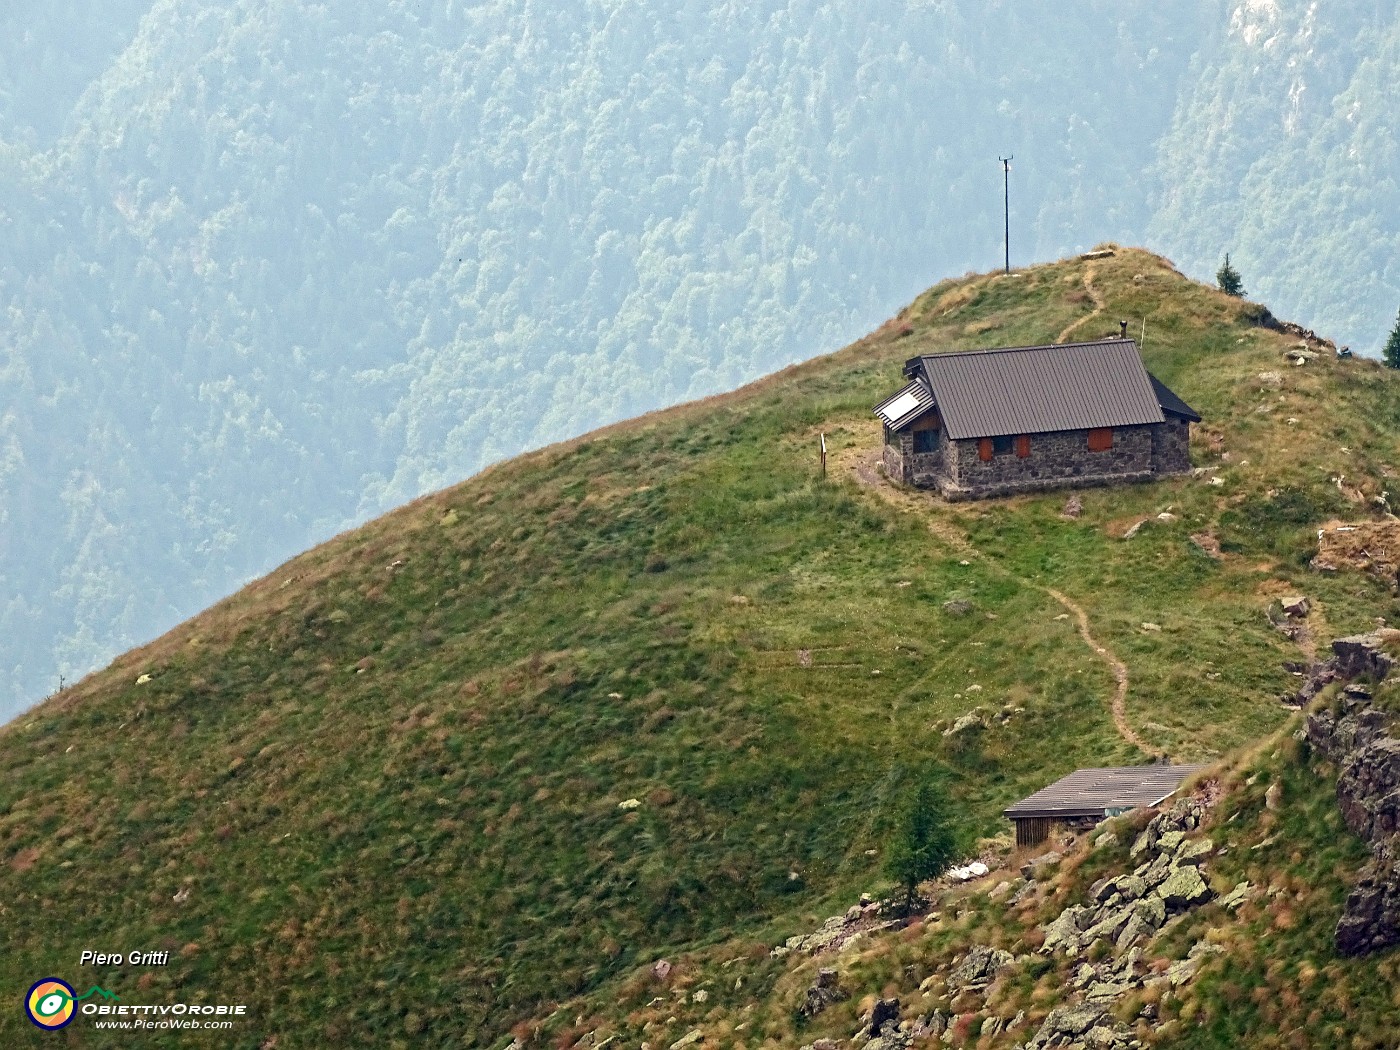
(270, 267)
(1283, 148)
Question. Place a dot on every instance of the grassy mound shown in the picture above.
(377, 794)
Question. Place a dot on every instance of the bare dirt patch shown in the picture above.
(1368, 546)
(1208, 542)
(1119, 528)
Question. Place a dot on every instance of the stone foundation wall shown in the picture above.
(896, 458)
(955, 493)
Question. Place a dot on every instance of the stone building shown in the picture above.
(1087, 796)
(986, 423)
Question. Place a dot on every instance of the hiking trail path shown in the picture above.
(1094, 296)
(863, 469)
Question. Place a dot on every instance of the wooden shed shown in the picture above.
(1090, 795)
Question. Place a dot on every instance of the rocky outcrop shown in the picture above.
(1362, 741)
(885, 1011)
(1182, 888)
(1371, 920)
(978, 969)
(971, 720)
(1126, 909)
(1084, 1025)
(1122, 913)
(1360, 656)
(1105, 938)
(839, 930)
(1307, 337)
(883, 1030)
(1357, 656)
(1368, 788)
(825, 990)
(1036, 867)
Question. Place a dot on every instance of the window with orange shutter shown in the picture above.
(984, 449)
(1023, 445)
(1101, 439)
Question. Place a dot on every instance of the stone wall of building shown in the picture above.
(923, 469)
(899, 451)
(930, 468)
(927, 468)
(1061, 458)
(893, 457)
(1056, 460)
(1171, 447)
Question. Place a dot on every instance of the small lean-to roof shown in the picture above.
(1091, 792)
(1171, 404)
(906, 405)
(1039, 389)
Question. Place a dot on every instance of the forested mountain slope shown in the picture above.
(48, 56)
(1283, 149)
(664, 687)
(271, 267)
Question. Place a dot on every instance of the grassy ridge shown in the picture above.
(388, 776)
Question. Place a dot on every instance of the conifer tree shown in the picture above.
(1391, 353)
(926, 844)
(1228, 279)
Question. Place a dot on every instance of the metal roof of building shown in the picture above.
(1171, 404)
(1092, 792)
(906, 405)
(1038, 389)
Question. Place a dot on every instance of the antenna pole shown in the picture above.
(1006, 203)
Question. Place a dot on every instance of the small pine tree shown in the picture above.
(925, 845)
(1391, 353)
(1228, 279)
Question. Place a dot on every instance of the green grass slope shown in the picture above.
(375, 796)
(1276, 981)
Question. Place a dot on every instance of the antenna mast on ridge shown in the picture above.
(1006, 203)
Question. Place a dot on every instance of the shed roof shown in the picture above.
(906, 405)
(1171, 404)
(1092, 792)
(1038, 389)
